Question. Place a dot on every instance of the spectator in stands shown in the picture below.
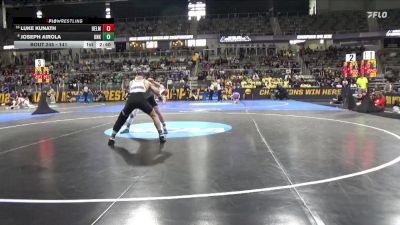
(379, 100)
(281, 93)
(29, 94)
(70, 97)
(99, 96)
(211, 91)
(371, 104)
(174, 93)
(396, 107)
(52, 94)
(256, 77)
(170, 82)
(219, 90)
(340, 99)
(388, 88)
(186, 90)
(195, 95)
(85, 93)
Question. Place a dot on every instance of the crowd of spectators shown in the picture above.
(392, 21)
(277, 67)
(256, 24)
(102, 73)
(326, 64)
(328, 23)
(331, 57)
(236, 24)
(168, 25)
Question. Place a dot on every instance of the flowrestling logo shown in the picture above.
(377, 14)
(176, 129)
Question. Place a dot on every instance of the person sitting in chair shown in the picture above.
(341, 98)
(372, 104)
(380, 100)
(281, 93)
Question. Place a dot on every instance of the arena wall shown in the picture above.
(322, 94)
(325, 6)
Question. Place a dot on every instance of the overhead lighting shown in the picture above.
(108, 10)
(39, 14)
(196, 9)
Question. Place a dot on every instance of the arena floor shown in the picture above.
(256, 162)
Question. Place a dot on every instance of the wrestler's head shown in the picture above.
(139, 77)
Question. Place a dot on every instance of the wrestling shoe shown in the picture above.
(111, 142)
(126, 131)
(162, 139)
(164, 127)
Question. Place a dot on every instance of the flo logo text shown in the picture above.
(377, 14)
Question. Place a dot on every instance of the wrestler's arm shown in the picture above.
(155, 83)
(152, 87)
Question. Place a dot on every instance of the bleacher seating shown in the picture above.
(331, 57)
(337, 22)
(170, 25)
(392, 21)
(390, 60)
(323, 65)
(257, 24)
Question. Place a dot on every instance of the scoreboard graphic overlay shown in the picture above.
(58, 33)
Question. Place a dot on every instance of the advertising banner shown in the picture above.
(202, 94)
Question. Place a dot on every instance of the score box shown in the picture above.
(108, 36)
(108, 27)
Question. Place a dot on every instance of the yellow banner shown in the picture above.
(4, 98)
(179, 94)
(390, 100)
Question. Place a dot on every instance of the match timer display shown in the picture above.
(57, 33)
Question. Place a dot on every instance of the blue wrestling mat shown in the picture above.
(255, 105)
(176, 129)
(194, 106)
(7, 117)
